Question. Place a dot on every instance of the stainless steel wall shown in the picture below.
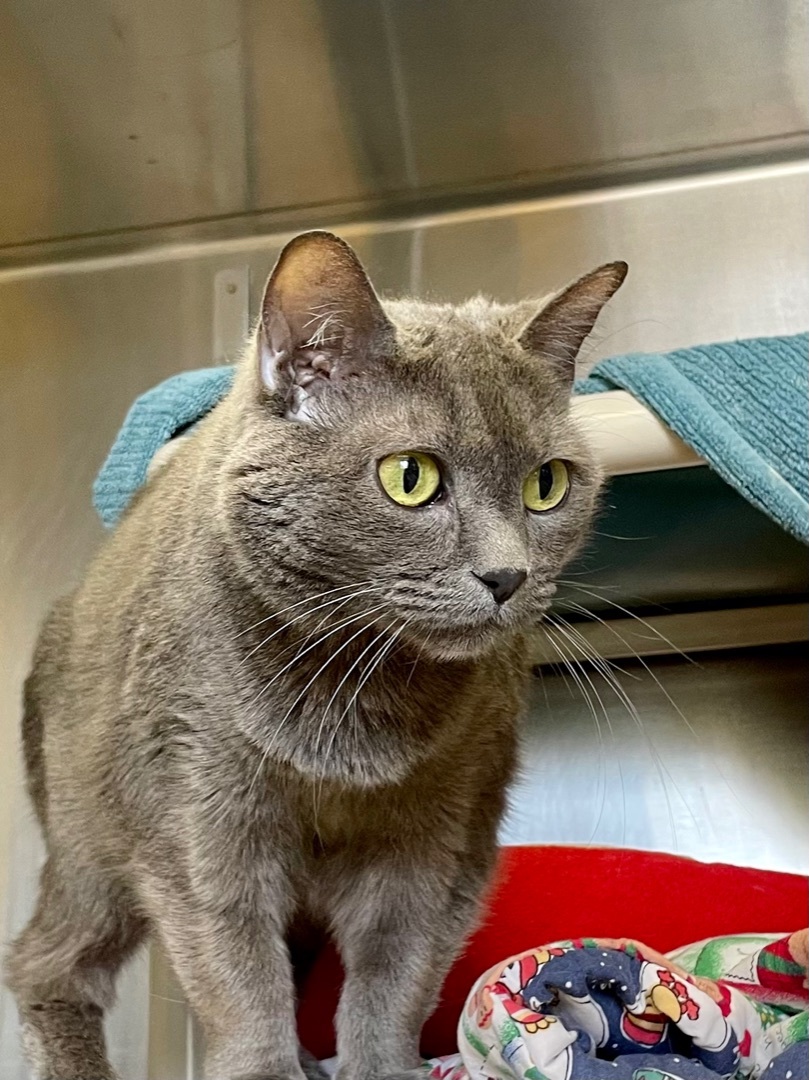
(132, 114)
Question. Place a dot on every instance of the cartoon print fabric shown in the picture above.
(598, 1009)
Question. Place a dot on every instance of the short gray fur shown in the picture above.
(281, 706)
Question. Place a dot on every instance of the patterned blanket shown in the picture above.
(598, 1009)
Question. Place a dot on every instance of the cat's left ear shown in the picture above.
(321, 322)
(558, 331)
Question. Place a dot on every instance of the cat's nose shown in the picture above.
(503, 583)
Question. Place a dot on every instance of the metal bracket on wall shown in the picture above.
(231, 312)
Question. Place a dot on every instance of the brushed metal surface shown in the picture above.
(525, 87)
(712, 257)
(709, 757)
(125, 114)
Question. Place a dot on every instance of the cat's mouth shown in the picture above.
(448, 632)
(460, 642)
(463, 639)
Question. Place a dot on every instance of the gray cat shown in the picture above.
(284, 700)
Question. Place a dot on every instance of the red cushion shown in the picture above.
(545, 894)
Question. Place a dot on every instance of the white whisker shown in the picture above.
(689, 726)
(317, 793)
(338, 605)
(290, 607)
(660, 765)
(631, 614)
(314, 645)
(309, 684)
(569, 661)
(340, 686)
(339, 600)
(373, 666)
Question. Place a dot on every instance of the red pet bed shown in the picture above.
(545, 894)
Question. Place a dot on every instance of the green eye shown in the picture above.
(410, 478)
(546, 486)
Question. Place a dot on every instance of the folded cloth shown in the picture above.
(155, 417)
(607, 1009)
(741, 405)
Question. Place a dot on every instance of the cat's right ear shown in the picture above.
(322, 324)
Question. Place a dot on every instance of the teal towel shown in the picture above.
(154, 418)
(741, 405)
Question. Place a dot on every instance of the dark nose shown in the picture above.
(503, 583)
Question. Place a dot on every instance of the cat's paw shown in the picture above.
(311, 1066)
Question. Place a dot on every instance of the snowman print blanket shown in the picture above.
(607, 1009)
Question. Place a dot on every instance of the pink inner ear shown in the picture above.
(311, 365)
(322, 321)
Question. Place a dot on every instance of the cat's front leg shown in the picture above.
(234, 966)
(399, 929)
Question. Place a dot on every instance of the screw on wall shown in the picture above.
(231, 312)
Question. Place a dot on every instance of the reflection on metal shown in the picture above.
(128, 115)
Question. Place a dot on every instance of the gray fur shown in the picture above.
(203, 764)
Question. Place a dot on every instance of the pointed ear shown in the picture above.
(321, 322)
(559, 329)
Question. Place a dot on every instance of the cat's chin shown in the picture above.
(448, 652)
(463, 643)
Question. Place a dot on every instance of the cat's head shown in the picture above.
(414, 463)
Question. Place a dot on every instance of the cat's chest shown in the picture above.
(373, 735)
(350, 826)
(368, 735)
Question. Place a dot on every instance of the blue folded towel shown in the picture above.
(741, 405)
(154, 418)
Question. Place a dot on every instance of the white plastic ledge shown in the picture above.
(628, 437)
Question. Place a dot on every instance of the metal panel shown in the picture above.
(526, 87)
(123, 114)
(703, 256)
(120, 114)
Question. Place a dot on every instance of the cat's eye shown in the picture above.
(546, 487)
(410, 478)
